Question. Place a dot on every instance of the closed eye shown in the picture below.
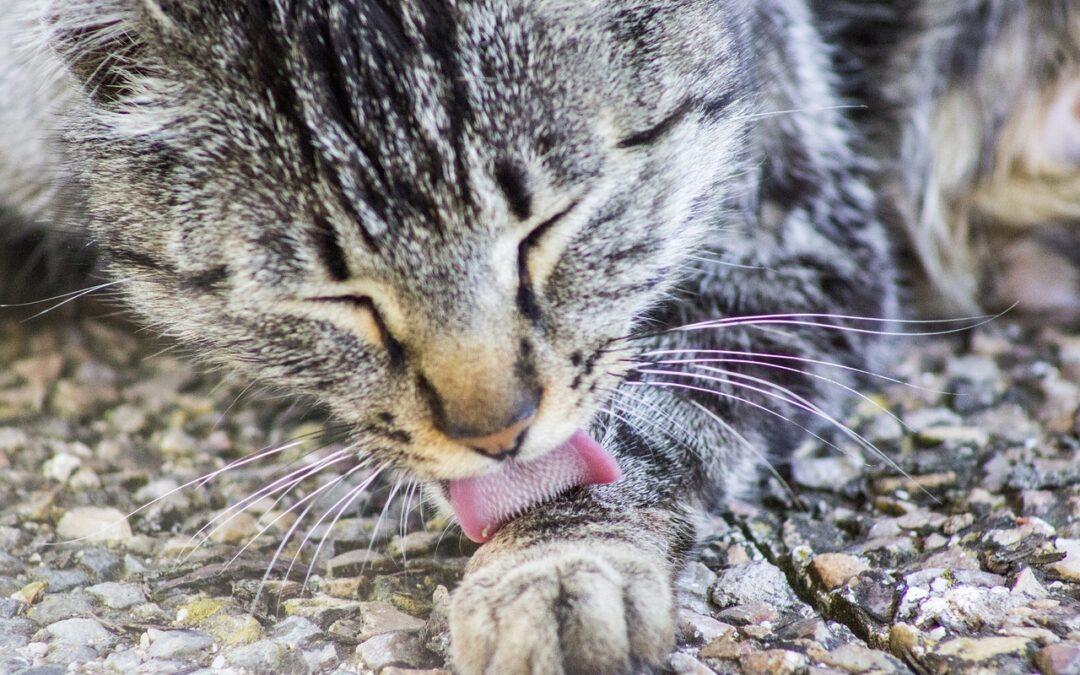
(393, 348)
(526, 295)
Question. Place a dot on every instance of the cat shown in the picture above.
(973, 109)
(581, 267)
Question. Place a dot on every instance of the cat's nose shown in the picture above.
(505, 441)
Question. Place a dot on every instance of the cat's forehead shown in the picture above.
(426, 115)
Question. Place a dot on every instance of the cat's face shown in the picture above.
(438, 221)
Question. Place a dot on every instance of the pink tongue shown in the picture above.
(485, 503)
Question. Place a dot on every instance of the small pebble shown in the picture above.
(94, 524)
(177, 644)
(833, 570)
(116, 595)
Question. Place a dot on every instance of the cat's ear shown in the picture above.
(109, 46)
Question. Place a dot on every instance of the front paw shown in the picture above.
(580, 607)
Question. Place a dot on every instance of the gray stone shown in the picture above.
(1009, 422)
(15, 633)
(413, 544)
(11, 663)
(10, 565)
(684, 664)
(749, 615)
(320, 659)
(57, 606)
(12, 439)
(693, 586)
(101, 564)
(925, 418)
(126, 661)
(68, 653)
(177, 644)
(855, 658)
(322, 610)
(294, 632)
(1045, 473)
(95, 524)
(826, 473)
(62, 656)
(753, 583)
(61, 580)
(265, 656)
(699, 629)
(126, 418)
(12, 538)
(88, 632)
(117, 595)
(354, 563)
(394, 649)
(380, 617)
(10, 607)
(981, 371)
(170, 667)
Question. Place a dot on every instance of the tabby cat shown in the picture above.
(570, 263)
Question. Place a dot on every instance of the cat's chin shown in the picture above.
(483, 504)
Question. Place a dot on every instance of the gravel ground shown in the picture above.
(959, 553)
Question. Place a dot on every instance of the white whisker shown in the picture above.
(345, 502)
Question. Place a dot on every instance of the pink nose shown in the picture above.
(500, 444)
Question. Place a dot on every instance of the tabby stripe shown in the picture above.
(510, 178)
(714, 107)
(126, 256)
(329, 249)
(269, 50)
(526, 296)
(325, 53)
(654, 132)
(441, 36)
(205, 281)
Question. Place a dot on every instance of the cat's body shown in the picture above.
(453, 221)
(974, 112)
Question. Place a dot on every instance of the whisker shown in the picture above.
(798, 317)
(200, 481)
(292, 528)
(285, 485)
(795, 111)
(652, 423)
(765, 364)
(802, 403)
(345, 502)
(717, 261)
(382, 514)
(71, 295)
(734, 397)
(752, 448)
(330, 485)
(73, 298)
(786, 357)
(233, 403)
(829, 326)
(243, 461)
(790, 397)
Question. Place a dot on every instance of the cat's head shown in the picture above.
(441, 219)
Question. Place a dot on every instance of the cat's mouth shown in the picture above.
(483, 504)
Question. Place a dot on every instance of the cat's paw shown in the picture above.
(584, 609)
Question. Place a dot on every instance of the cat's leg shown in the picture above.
(581, 585)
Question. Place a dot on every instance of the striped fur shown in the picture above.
(420, 212)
